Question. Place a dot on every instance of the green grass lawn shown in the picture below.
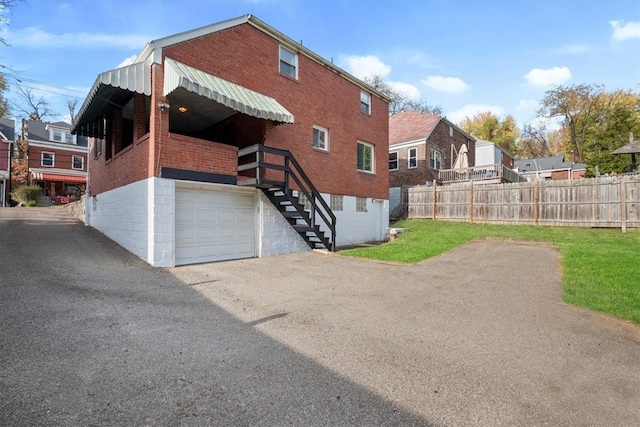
(601, 267)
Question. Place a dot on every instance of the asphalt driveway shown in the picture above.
(478, 336)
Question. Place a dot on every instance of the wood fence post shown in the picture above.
(470, 202)
(536, 202)
(434, 198)
(623, 206)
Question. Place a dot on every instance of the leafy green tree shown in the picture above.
(400, 101)
(488, 126)
(615, 116)
(577, 106)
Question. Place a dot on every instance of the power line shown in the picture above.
(21, 80)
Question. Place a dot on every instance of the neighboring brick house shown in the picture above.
(420, 145)
(550, 168)
(57, 160)
(191, 158)
(7, 137)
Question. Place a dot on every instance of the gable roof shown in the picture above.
(38, 131)
(552, 163)
(153, 49)
(411, 126)
(7, 129)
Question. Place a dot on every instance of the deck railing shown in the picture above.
(479, 173)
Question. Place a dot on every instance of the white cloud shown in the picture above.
(552, 76)
(574, 49)
(127, 61)
(527, 105)
(365, 66)
(407, 89)
(472, 110)
(622, 31)
(445, 84)
(33, 37)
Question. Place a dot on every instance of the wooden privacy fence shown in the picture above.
(597, 202)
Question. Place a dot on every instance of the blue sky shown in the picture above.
(465, 56)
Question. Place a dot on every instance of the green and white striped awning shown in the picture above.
(236, 97)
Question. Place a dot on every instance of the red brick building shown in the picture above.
(421, 144)
(195, 146)
(57, 160)
(7, 137)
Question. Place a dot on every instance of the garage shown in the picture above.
(212, 224)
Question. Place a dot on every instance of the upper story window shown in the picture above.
(77, 162)
(47, 159)
(288, 63)
(320, 138)
(393, 161)
(59, 135)
(413, 158)
(365, 102)
(450, 130)
(365, 157)
(435, 159)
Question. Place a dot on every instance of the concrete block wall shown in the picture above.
(278, 237)
(161, 226)
(122, 215)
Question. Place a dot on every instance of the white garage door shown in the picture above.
(214, 225)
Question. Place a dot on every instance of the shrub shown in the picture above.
(26, 193)
(32, 203)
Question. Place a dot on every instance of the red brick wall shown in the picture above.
(439, 140)
(4, 155)
(62, 160)
(249, 57)
(129, 165)
(184, 152)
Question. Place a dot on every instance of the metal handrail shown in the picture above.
(295, 174)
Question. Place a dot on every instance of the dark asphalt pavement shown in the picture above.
(92, 336)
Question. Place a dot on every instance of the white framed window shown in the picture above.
(365, 102)
(320, 138)
(58, 135)
(336, 203)
(365, 157)
(288, 63)
(412, 159)
(393, 161)
(361, 204)
(435, 159)
(47, 159)
(450, 130)
(77, 162)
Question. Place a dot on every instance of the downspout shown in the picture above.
(87, 191)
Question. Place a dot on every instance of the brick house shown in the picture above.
(232, 141)
(57, 160)
(7, 137)
(420, 145)
(550, 168)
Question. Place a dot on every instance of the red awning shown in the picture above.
(56, 177)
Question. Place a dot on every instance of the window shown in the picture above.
(435, 159)
(450, 130)
(393, 161)
(365, 102)
(320, 138)
(78, 162)
(57, 136)
(365, 157)
(47, 159)
(288, 63)
(97, 148)
(413, 158)
(304, 200)
(361, 204)
(336, 203)
(68, 138)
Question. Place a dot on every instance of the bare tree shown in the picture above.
(400, 101)
(36, 108)
(72, 104)
(6, 5)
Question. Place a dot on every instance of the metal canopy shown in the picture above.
(115, 87)
(231, 95)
